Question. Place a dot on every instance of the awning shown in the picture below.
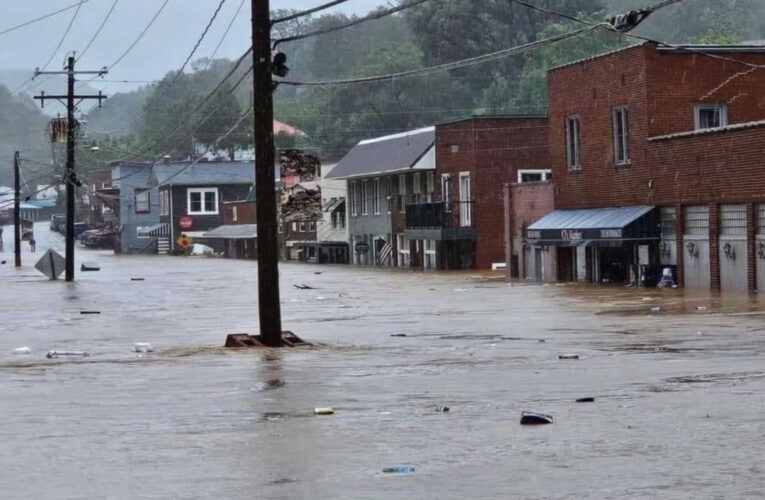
(596, 226)
(334, 204)
(162, 229)
(232, 232)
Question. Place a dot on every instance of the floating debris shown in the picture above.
(701, 308)
(585, 400)
(143, 347)
(90, 266)
(22, 350)
(655, 309)
(568, 356)
(534, 418)
(324, 411)
(137, 279)
(90, 312)
(442, 409)
(56, 354)
(398, 334)
(302, 286)
(399, 469)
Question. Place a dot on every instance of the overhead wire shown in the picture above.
(63, 37)
(46, 16)
(228, 28)
(353, 22)
(199, 41)
(98, 31)
(306, 12)
(462, 63)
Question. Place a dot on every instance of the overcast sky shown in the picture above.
(163, 48)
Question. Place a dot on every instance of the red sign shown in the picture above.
(185, 221)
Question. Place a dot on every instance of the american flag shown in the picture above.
(384, 254)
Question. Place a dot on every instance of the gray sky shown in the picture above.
(163, 48)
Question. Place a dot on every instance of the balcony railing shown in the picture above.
(438, 215)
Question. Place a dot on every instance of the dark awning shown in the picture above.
(595, 226)
(162, 229)
(334, 204)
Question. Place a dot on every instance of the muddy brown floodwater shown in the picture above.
(678, 411)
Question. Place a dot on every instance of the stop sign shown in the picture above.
(185, 222)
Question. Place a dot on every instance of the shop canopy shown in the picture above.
(596, 226)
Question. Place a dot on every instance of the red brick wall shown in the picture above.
(492, 149)
(530, 202)
(659, 91)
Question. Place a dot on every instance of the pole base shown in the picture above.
(245, 340)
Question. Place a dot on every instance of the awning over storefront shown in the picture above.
(162, 229)
(595, 226)
(232, 232)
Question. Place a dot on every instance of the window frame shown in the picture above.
(376, 196)
(721, 107)
(364, 205)
(136, 193)
(164, 202)
(202, 192)
(352, 191)
(574, 158)
(402, 192)
(416, 183)
(620, 117)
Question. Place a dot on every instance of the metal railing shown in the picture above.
(436, 215)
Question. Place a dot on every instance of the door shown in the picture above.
(538, 264)
(465, 206)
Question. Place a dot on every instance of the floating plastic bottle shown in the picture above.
(56, 354)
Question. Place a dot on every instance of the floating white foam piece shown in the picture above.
(22, 350)
(143, 347)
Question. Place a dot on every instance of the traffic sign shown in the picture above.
(51, 264)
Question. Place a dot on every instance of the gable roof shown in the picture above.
(206, 173)
(387, 154)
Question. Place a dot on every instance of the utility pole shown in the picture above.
(263, 110)
(16, 210)
(70, 177)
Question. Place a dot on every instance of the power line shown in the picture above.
(98, 31)
(306, 12)
(141, 35)
(471, 61)
(46, 16)
(63, 37)
(369, 17)
(196, 46)
(228, 28)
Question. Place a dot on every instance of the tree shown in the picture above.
(224, 129)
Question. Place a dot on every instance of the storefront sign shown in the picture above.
(570, 235)
(361, 247)
(186, 222)
(575, 236)
(610, 233)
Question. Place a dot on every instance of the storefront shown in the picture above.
(602, 245)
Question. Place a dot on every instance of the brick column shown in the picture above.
(680, 250)
(714, 244)
(751, 248)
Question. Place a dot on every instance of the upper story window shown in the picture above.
(620, 117)
(534, 175)
(402, 192)
(364, 196)
(142, 201)
(710, 115)
(572, 143)
(429, 186)
(354, 197)
(164, 202)
(376, 196)
(202, 201)
(416, 183)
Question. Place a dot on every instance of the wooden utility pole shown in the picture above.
(263, 111)
(16, 210)
(69, 176)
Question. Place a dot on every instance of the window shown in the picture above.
(202, 201)
(697, 220)
(234, 214)
(311, 225)
(446, 191)
(352, 192)
(429, 188)
(142, 201)
(416, 183)
(402, 193)
(388, 193)
(164, 203)
(534, 175)
(334, 220)
(621, 135)
(403, 250)
(364, 195)
(710, 115)
(572, 143)
(301, 226)
(376, 197)
(668, 217)
(733, 220)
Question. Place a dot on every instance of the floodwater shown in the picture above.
(678, 411)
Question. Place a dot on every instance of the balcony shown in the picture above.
(454, 220)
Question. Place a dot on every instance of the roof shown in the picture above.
(43, 203)
(334, 204)
(387, 154)
(591, 218)
(754, 47)
(493, 117)
(205, 173)
(708, 131)
(598, 56)
(233, 232)
(283, 128)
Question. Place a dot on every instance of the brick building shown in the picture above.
(475, 158)
(654, 153)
